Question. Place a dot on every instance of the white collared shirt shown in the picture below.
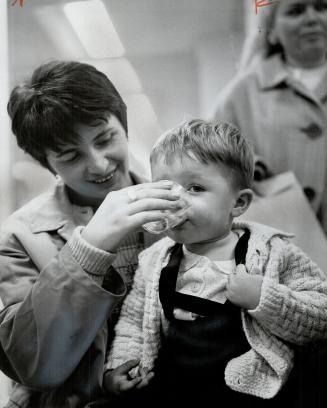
(199, 276)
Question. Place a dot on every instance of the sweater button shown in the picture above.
(196, 287)
(310, 193)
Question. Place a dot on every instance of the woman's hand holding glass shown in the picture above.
(126, 210)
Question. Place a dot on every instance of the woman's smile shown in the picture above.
(102, 179)
(96, 165)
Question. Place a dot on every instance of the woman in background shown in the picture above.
(279, 100)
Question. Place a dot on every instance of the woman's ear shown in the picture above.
(242, 202)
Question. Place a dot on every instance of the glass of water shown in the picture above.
(173, 217)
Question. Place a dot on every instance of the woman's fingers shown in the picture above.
(147, 216)
(149, 190)
(150, 204)
(164, 184)
(125, 210)
(139, 194)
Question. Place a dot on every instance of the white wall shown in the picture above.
(5, 159)
(5, 179)
(217, 60)
(171, 82)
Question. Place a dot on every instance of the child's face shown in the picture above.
(211, 194)
(97, 163)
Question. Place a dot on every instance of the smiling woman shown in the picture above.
(280, 101)
(96, 164)
(67, 258)
(300, 27)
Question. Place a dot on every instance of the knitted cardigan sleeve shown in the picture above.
(295, 307)
(127, 344)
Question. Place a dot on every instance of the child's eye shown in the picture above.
(195, 189)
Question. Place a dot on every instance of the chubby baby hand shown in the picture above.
(119, 380)
(242, 289)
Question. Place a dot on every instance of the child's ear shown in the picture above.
(242, 202)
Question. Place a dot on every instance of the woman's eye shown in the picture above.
(321, 7)
(296, 10)
(195, 189)
(71, 158)
(103, 142)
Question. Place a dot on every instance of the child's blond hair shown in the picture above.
(208, 142)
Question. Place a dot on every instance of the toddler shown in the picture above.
(217, 306)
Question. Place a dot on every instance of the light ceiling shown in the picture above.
(145, 28)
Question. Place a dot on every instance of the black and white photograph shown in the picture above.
(163, 203)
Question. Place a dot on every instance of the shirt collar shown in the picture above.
(191, 260)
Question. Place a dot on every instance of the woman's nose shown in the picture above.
(311, 14)
(97, 162)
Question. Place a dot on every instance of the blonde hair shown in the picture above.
(208, 142)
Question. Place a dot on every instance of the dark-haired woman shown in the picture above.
(67, 258)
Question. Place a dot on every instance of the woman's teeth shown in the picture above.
(103, 180)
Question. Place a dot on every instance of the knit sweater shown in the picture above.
(292, 309)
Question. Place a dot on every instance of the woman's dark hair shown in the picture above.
(59, 95)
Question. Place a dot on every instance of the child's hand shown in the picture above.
(118, 381)
(145, 378)
(242, 289)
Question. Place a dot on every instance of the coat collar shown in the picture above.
(50, 211)
(272, 73)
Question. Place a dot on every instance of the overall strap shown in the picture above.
(168, 278)
(241, 248)
(170, 298)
